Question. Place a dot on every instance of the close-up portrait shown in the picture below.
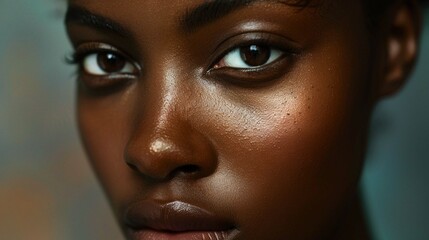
(214, 120)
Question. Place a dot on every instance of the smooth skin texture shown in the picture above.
(166, 114)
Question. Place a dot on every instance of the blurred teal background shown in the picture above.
(47, 190)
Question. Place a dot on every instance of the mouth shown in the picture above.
(176, 220)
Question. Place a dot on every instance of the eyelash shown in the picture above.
(225, 73)
(258, 42)
(255, 76)
(101, 81)
(85, 50)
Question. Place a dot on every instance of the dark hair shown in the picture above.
(375, 9)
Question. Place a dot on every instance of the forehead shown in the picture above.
(177, 11)
(176, 4)
(152, 17)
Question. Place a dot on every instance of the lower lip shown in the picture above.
(149, 234)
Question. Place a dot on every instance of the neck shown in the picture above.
(354, 224)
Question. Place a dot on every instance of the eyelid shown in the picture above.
(275, 55)
(252, 38)
(102, 85)
(259, 76)
(86, 49)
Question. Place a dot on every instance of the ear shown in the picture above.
(403, 32)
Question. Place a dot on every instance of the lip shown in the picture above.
(148, 220)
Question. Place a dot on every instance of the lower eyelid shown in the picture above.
(105, 84)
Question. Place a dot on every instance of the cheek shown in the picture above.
(103, 129)
(295, 157)
(290, 170)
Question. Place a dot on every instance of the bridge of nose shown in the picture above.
(163, 140)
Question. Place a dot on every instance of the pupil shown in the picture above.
(255, 55)
(110, 62)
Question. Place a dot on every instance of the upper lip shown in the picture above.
(173, 216)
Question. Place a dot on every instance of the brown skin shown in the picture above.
(277, 152)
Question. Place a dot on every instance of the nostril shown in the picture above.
(132, 166)
(187, 170)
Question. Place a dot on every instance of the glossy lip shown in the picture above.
(147, 220)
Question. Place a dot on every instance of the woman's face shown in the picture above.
(215, 119)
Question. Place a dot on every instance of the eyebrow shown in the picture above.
(213, 10)
(84, 17)
(204, 14)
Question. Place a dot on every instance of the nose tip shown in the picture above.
(163, 158)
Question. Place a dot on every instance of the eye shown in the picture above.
(103, 69)
(105, 63)
(250, 56)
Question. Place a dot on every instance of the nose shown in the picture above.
(167, 155)
(163, 143)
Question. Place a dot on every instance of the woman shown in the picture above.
(236, 119)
